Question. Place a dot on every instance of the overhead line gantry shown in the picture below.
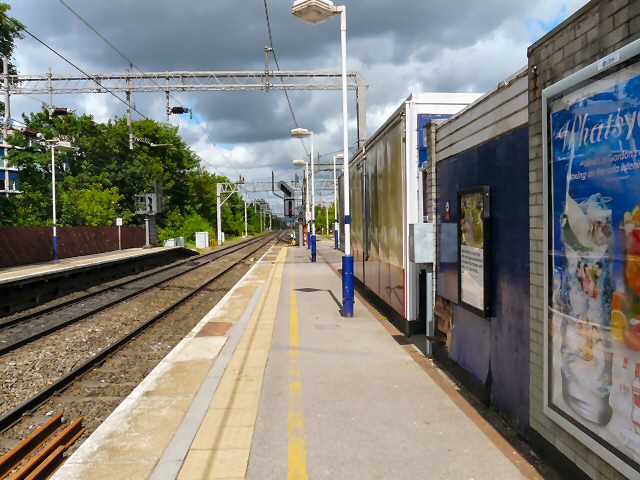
(191, 81)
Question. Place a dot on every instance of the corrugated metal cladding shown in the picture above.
(487, 145)
(378, 217)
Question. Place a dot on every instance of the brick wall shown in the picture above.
(597, 29)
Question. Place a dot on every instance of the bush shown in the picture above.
(194, 223)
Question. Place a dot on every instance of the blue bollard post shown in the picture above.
(309, 240)
(335, 238)
(55, 247)
(347, 286)
(313, 248)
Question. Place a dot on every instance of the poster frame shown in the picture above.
(624, 57)
(485, 190)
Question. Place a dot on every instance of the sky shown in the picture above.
(398, 46)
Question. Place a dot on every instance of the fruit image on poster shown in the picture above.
(594, 258)
(473, 206)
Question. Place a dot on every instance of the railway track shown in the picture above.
(41, 453)
(27, 328)
(11, 417)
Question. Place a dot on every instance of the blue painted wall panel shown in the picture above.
(423, 120)
(501, 163)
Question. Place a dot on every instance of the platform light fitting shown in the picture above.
(313, 11)
(301, 133)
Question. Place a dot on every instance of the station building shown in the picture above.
(9, 176)
(529, 198)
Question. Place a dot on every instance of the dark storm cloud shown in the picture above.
(217, 34)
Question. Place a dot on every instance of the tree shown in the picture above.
(98, 180)
(102, 164)
(92, 206)
(10, 31)
(321, 218)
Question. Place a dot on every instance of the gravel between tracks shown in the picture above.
(29, 369)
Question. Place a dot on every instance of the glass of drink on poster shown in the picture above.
(593, 297)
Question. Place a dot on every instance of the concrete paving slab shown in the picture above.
(368, 410)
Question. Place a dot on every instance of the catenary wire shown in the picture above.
(175, 99)
(275, 59)
(82, 71)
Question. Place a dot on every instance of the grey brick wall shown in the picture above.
(597, 29)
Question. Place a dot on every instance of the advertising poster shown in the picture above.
(472, 249)
(594, 259)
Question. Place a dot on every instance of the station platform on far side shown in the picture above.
(274, 383)
(24, 272)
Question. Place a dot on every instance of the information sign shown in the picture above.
(473, 230)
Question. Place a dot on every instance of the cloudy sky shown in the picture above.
(399, 46)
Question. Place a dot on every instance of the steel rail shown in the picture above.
(11, 417)
(4, 349)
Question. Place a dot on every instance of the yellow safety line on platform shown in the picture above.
(222, 445)
(297, 453)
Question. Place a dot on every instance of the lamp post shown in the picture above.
(246, 234)
(316, 11)
(55, 143)
(300, 163)
(302, 133)
(336, 224)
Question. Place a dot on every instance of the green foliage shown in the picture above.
(90, 206)
(172, 225)
(194, 223)
(321, 219)
(10, 30)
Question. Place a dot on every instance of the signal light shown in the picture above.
(180, 111)
(29, 132)
(288, 212)
(59, 112)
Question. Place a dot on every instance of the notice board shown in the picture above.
(473, 252)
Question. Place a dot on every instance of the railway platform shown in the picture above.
(24, 272)
(274, 383)
(28, 286)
